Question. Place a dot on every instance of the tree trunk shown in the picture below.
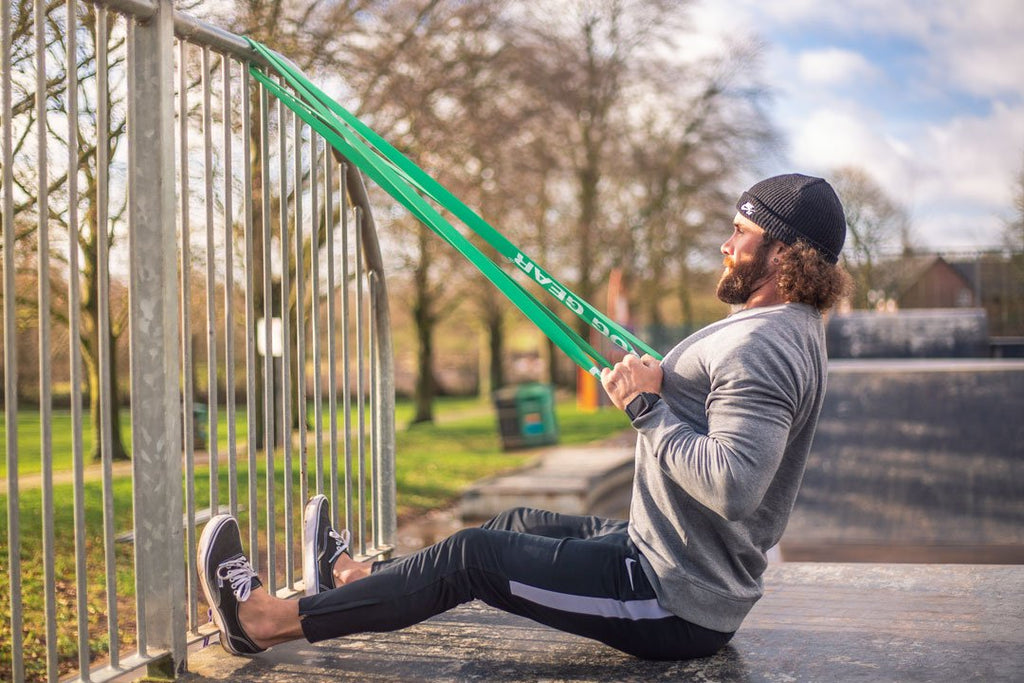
(426, 387)
(91, 356)
(90, 343)
(552, 360)
(589, 177)
(425, 320)
(496, 344)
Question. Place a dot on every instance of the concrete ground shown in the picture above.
(817, 622)
(913, 462)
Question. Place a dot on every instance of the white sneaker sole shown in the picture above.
(310, 573)
(205, 540)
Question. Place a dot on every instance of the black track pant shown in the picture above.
(575, 574)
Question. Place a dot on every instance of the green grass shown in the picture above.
(61, 436)
(434, 464)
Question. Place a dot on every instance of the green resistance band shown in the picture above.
(397, 173)
(604, 325)
(539, 315)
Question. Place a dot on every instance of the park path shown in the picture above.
(93, 472)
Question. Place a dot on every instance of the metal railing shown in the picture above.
(145, 175)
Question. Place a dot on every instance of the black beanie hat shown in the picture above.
(795, 206)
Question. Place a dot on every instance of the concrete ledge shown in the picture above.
(817, 622)
(570, 480)
(921, 459)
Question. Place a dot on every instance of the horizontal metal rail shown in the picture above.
(188, 28)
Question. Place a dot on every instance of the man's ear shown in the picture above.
(776, 251)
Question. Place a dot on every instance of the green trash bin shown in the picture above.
(526, 415)
(200, 420)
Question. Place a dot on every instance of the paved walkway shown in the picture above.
(91, 472)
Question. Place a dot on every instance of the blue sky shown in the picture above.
(925, 96)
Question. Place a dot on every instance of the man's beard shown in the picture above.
(739, 282)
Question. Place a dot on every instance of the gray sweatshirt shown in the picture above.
(720, 458)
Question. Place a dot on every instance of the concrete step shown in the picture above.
(573, 480)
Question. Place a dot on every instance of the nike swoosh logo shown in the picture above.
(629, 571)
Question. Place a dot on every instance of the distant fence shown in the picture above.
(156, 166)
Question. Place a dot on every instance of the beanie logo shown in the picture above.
(748, 209)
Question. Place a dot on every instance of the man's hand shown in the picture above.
(630, 377)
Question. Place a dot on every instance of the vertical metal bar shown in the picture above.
(103, 333)
(300, 307)
(251, 417)
(360, 373)
(268, 359)
(43, 324)
(11, 358)
(332, 372)
(384, 374)
(153, 324)
(188, 390)
(211, 286)
(346, 361)
(318, 392)
(229, 291)
(372, 282)
(286, 413)
(75, 347)
(383, 356)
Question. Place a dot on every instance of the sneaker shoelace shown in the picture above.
(341, 541)
(238, 572)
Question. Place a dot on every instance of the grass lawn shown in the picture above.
(30, 438)
(434, 464)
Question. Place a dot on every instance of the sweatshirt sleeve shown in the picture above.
(750, 409)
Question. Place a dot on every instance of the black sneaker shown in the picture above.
(321, 546)
(227, 579)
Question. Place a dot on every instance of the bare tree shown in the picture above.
(1011, 317)
(409, 68)
(644, 141)
(26, 181)
(578, 138)
(438, 99)
(876, 224)
(683, 155)
(1013, 229)
(581, 67)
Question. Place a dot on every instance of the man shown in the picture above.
(724, 426)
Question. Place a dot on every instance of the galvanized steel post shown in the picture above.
(153, 294)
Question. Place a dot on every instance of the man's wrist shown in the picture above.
(642, 404)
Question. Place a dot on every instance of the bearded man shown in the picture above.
(724, 427)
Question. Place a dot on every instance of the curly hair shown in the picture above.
(805, 277)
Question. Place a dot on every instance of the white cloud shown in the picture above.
(955, 178)
(833, 66)
(974, 157)
(977, 47)
(974, 47)
(828, 139)
(945, 132)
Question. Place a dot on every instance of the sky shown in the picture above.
(926, 96)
